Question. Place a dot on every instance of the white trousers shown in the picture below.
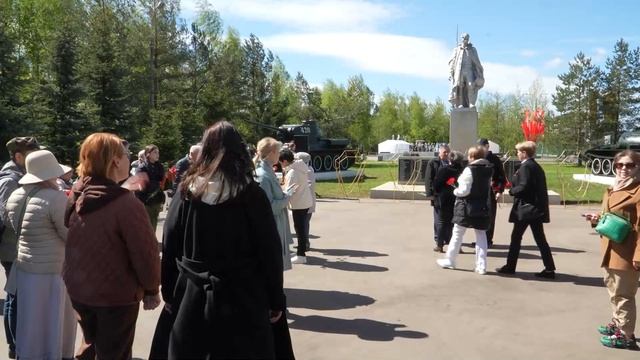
(456, 242)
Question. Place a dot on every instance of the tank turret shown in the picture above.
(600, 158)
(308, 137)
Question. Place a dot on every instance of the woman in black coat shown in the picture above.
(530, 208)
(444, 198)
(226, 289)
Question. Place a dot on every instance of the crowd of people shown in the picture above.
(85, 251)
(465, 197)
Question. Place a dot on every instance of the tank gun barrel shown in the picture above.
(270, 127)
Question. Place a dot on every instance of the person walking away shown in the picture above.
(430, 173)
(111, 258)
(46, 322)
(498, 183)
(530, 209)
(621, 260)
(152, 194)
(306, 158)
(222, 261)
(296, 184)
(471, 209)
(10, 175)
(444, 199)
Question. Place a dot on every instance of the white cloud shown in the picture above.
(599, 54)
(554, 63)
(405, 55)
(329, 15)
(528, 53)
(385, 53)
(511, 79)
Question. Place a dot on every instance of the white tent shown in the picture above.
(393, 147)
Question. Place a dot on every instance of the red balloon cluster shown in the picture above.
(533, 124)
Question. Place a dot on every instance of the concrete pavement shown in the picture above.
(372, 290)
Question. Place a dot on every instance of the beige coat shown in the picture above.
(42, 242)
(624, 202)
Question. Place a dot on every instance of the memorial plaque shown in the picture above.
(406, 167)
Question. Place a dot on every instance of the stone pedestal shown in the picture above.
(463, 129)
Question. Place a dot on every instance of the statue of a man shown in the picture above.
(466, 74)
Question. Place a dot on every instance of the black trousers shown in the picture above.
(492, 223)
(541, 241)
(436, 226)
(10, 311)
(445, 229)
(301, 225)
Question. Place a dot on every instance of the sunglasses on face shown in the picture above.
(625, 165)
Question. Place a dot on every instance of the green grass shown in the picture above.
(375, 173)
(559, 179)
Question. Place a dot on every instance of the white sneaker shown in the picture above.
(299, 259)
(481, 271)
(445, 264)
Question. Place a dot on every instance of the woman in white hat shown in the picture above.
(46, 323)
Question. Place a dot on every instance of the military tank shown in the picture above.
(600, 158)
(325, 153)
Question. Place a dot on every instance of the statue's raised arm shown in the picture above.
(466, 74)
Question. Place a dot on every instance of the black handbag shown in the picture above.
(529, 212)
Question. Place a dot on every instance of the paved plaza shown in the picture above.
(372, 290)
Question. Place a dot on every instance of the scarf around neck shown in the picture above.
(624, 182)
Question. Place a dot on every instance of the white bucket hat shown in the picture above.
(305, 157)
(41, 166)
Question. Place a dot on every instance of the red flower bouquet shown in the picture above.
(451, 181)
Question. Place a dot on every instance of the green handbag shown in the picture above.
(614, 227)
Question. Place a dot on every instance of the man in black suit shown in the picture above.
(530, 208)
(498, 182)
(432, 169)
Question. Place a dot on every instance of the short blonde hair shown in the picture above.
(265, 147)
(97, 152)
(528, 147)
(476, 152)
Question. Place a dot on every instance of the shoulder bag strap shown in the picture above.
(24, 209)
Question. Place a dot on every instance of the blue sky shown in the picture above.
(404, 46)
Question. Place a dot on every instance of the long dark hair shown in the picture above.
(223, 152)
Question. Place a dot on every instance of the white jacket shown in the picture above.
(42, 241)
(465, 180)
(296, 185)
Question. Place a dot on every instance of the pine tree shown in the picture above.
(10, 83)
(66, 126)
(620, 90)
(257, 87)
(575, 99)
(105, 72)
